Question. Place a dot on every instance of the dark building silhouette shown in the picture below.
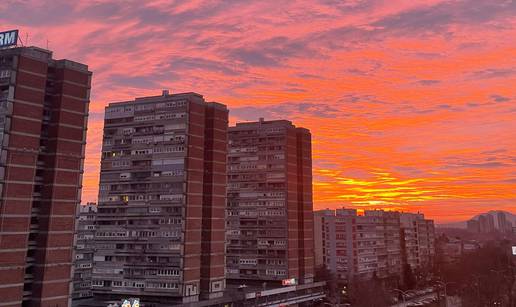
(43, 115)
(486, 223)
(473, 226)
(503, 224)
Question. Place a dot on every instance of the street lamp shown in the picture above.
(444, 284)
(477, 278)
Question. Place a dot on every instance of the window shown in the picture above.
(175, 104)
(121, 163)
(171, 197)
(5, 73)
(169, 149)
(248, 261)
(144, 118)
(171, 115)
(128, 131)
(178, 172)
(162, 285)
(147, 151)
(276, 272)
(139, 284)
(144, 107)
(154, 210)
(168, 272)
(142, 140)
(171, 221)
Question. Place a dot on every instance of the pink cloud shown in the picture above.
(391, 89)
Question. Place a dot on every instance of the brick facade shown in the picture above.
(44, 111)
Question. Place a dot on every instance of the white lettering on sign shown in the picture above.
(8, 38)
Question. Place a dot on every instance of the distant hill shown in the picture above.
(508, 215)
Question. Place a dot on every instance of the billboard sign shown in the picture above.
(289, 282)
(8, 38)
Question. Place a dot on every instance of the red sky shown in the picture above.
(412, 104)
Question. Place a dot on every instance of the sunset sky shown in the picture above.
(412, 104)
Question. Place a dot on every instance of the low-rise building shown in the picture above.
(376, 244)
(452, 249)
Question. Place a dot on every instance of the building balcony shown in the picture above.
(5, 81)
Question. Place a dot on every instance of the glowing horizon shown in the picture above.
(411, 105)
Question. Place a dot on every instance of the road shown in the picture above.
(416, 299)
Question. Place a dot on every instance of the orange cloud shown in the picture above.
(411, 105)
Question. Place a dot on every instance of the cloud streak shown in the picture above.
(390, 91)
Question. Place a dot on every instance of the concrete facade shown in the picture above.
(269, 214)
(84, 250)
(160, 223)
(418, 240)
(377, 243)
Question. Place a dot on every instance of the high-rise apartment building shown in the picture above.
(160, 221)
(43, 116)
(377, 243)
(504, 225)
(324, 239)
(486, 223)
(418, 239)
(269, 214)
(84, 250)
(473, 226)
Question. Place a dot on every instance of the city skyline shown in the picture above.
(436, 138)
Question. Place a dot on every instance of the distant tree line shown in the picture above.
(484, 277)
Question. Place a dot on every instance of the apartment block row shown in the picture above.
(187, 205)
(162, 230)
(485, 223)
(379, 244)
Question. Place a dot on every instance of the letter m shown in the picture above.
(10, 38)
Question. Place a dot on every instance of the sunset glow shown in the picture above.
(411, 104)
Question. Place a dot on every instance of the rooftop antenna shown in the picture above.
(21, 41)
(27, 39)
(47, 43)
